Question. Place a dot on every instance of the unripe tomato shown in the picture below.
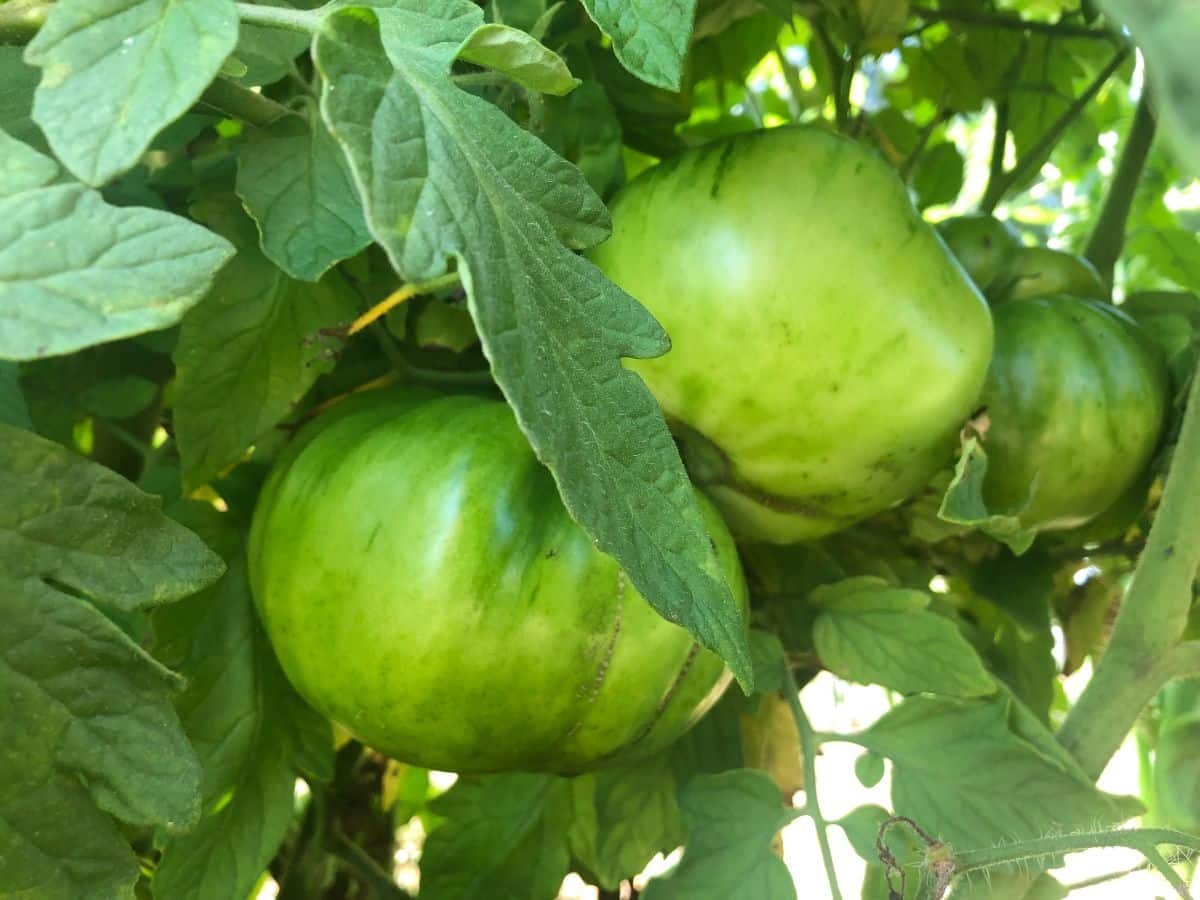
(826, 347)
(983, 245)
(1041, 271)
(424, 586)
(1076, 400)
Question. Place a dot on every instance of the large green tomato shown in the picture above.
(1076, 400)
(983, 245)
(826, 347)
(424, 586)
(1041, 271)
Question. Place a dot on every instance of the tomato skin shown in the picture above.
(983, 245)
(1041, 271)
(826, 347)
(1076, 400)
(424, 587)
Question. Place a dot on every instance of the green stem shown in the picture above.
(1145, 650)
(792, 77)
(21, 19)
(237, 102)
(909, 166)
(1014, 23)
(1108, 237)
(842, 104)
(306, 21)
(836, 65)
(361, 864)
(812, 807)
(1036, 155)
(991, 194)
(1144, 840)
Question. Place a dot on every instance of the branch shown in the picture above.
(1014, 23)
(21, 19)
(812, 807)
(358, 861)
(236, 102)
(306, 21)
(1038, 153)
(1145, 650)
(1039, 851)
(1108, 236)
(994, 189)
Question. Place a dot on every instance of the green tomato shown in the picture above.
(983, 245)
(424, 586)
(1076, 400)
(1040, 271)
(826, 347)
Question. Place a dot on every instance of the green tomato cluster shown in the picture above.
(1076, 395)
(424, 586)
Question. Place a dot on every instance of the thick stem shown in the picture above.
(306, 21)
(1014, 23)
(1108, 236)
(991, 194)
(1037, 154)
(1145, 651)
(237, 102)
(358, 861)
(21, 19)
(812, 807)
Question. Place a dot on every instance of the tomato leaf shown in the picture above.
(296, 184)
(877, 635)
(1167, 33)
(622, 818)
(18, 81)
(963, 503)
(267, 53)
(88, 731)
(250, 730)
(731, 819)
(504, 836)
(75, 271)
(247, 352)
(13, 410)
(115, 72)
(455, 177)
(650, 37)
(521, 57)
(973, 772)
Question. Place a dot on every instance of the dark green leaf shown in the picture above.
(119, 398)
(297, 185)
(75, 271)
(268, 53)
(13, 410)
(114, 72)
(622, 818)
(963, 503)
(457, 178)
(731, 820)
(503, 836)
(17, 84)
(521, 57)
(440, 325)
(248, 352)
(650, 37)
(249, 730)
(88, 730)
(873, 633)
(583, 128)
(975, 772)
(939, 175)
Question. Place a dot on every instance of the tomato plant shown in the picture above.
(480, 630)
(529, 450)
